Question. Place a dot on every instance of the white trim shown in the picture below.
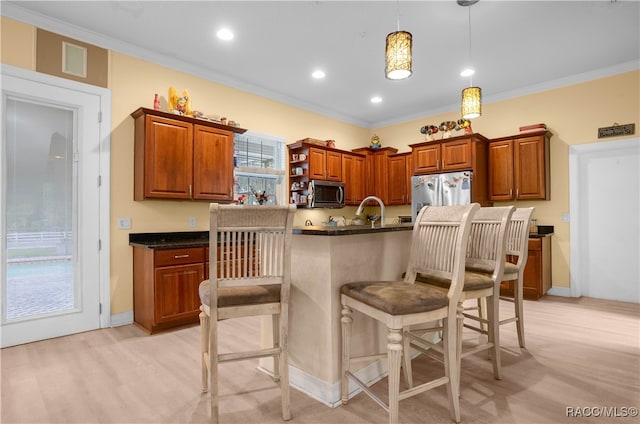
(577, 250)
(561, 291)
(105, 170)
(124, 318)
(326, 393)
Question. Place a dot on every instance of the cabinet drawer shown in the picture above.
(179, 256)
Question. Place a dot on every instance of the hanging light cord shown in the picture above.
(398, 10)
(470, 55)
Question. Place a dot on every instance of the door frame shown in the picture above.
(104, 190)
(578, 230)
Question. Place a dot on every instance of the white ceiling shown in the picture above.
(517, 46)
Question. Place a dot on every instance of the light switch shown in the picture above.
(192, 221)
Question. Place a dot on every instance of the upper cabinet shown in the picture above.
(519, 167)
(453, 154)
(376, 171)
(400, 170)
(180, 157)
(308, 161)
(463, 153)
(353, 166)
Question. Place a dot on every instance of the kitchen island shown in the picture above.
(323, 259)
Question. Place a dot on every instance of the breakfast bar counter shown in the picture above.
(323, 259)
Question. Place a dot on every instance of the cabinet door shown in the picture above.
(176, 292)
(381, 175)
(426, 159)
(168, 158)
(456, 155)
(532, 277)
(334, 166)
(212, 164)
(529, 168)
(317, 163)
(501, 170)
(353, 178)
(397, 180)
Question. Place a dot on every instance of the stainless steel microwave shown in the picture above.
(326, 194)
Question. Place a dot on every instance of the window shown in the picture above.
(259, 168)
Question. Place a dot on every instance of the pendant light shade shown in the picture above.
(398, 55)
(471, 102)
(471, 96)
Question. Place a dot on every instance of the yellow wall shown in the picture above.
(18, 44)
(572, 113)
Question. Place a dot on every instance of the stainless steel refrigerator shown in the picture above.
(452, 188)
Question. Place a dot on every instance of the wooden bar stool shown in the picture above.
(485, 262)
(438, 246)
(250, 267)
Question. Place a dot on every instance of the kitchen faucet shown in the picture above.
(377, 199)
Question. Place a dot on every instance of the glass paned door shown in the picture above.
(39, 202)
(50, 256)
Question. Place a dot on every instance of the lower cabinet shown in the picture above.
(537, 271)
(165, 286)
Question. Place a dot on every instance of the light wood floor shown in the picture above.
(581, 353)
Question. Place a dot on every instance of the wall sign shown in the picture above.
(617, 130)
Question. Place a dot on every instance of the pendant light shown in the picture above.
(398, 53)
(471, 96)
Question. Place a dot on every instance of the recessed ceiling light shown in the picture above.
(467, 72)
(376, 99)
(318, 74)
(225, 34)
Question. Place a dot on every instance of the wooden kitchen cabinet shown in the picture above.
(452, 154)
(400, 171)
(537, 271)
(353, 167)
(519, 167)
(377, 171)
(165, 287)
(325, 164)
(463, 153)
(180, 157)
(212, 164)
(318, 163)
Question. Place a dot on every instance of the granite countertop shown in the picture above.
(179, 240)
(169, 240)
(327, 230)
(543, 231)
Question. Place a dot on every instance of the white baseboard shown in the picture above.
(561, 291)
(327, 393)
(123, 318)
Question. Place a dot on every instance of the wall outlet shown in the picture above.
(192, 221)
(124, 223)
(565, 217)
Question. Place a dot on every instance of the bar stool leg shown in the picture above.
(347, 320)
(518, 298)
(394, 354)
